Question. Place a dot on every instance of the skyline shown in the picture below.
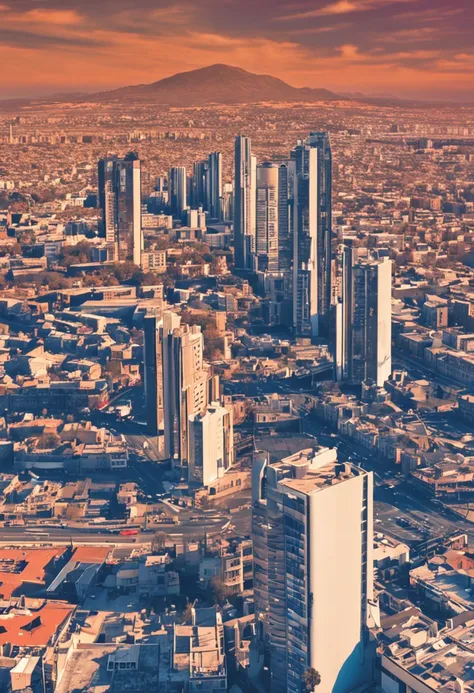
(406, 48)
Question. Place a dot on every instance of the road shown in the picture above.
(47, 535)
(418, 370)
(133, 429)
(402, 501)
(400, 504)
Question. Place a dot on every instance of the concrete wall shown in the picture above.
(335, 558)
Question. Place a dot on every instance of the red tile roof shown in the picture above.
(91, 554)
(34, 629)
(34, 570)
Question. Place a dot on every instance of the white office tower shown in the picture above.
(312, 529)
(364, 326)
(266, 244)
(227, 202)
(211, 444)
(196, 218)
(177, 190)
(186, 383)
(244, 203)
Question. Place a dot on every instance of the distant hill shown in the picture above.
(222, 84)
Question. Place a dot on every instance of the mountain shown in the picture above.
(221, 84)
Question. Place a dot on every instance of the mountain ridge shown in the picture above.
(218, 83)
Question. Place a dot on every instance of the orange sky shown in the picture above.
(422, 48)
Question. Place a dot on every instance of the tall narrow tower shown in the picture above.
(186, 383)
(312, 527)
(244, 203)
(153, 374)
(312, 235)
(365, 327)
(120, 202)
(266, 245)
(177, 190)
(214, 186)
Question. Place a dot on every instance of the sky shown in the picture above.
(407, 48)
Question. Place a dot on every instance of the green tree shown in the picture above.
(310, 679)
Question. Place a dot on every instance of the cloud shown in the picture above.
(421, 34)
(42, 15)
(435, 14)
(39, 41)
(309, 31)
(130, 43)
(341, 7)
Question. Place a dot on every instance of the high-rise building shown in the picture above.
(186, 383)
(211, 444)
(313, 576)
(285, 218)
(364, 325)
(199, 184)
(267, 208)
(273, 257)
(214, 186)
(177, 190)
(244, 203)
(312, 235)
(227, 202)
(120, 202)
(153, 374)
(161, 190)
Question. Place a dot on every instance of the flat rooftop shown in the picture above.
(318, 479)
(20, 566)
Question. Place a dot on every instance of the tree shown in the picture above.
(128, 272)
(158, 542)
(48, 441)
(216, 591)
(188, 612)
(54, 280)
(310, 679)
(76, 254)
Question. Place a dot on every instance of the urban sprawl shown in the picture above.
(236, 398)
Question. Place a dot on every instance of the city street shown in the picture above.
(400, 511)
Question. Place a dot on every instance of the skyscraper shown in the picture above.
(207, 185)
(214, 186)
(313, 536)
(244, 203)
(186, 383)
(211, 444)
(200, 182)
(364, 339)
(120, 202)
(153, 374)
(267, 208)
(312, 235)
(285, 212)
(177, 190)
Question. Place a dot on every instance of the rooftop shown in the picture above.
(19, 566)
(22, 627)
